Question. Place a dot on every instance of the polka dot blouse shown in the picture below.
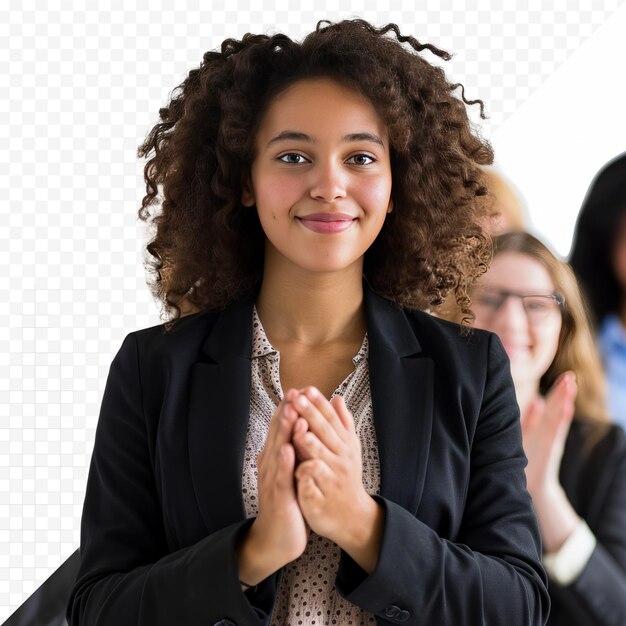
(306, 592)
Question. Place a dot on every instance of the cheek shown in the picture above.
(480, 322)
(375, 192)
(547, 342)
(491, 323)
(274, 195)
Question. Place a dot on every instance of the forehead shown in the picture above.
(518, 272)
(320, 105)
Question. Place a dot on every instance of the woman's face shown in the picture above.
(529, 328)
(321, 177)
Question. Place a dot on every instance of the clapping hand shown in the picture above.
(545, 425)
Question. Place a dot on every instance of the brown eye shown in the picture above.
(293, 158)
(361, 159)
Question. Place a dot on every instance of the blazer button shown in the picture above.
(225, 622)
(397, 614)
(392, 611)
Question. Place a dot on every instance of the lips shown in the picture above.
(514, 349)
(327, 222)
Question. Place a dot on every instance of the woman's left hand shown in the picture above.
(330, 489)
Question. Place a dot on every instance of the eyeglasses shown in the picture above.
(488, 300)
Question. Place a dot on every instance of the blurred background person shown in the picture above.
(507, 212)
(509, 207)
(598, 257)
(576, 457)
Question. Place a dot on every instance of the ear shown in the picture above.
(390, 207)
(247, 194)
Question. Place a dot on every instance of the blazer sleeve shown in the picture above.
(128, 575)
(492, 572)
(598, 596)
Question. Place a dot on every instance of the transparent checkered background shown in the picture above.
(80, 89)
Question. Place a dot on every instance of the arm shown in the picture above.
(597, 596)
(129, 575)
(491, 573)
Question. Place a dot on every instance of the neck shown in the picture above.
(311, 308)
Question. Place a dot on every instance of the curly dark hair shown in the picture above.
(207, 250)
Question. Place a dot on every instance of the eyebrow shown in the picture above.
(292, 135)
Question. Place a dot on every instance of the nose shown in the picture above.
(329, 181)
(511, 314)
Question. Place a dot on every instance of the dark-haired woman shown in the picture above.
(599, 259)
(302, 449)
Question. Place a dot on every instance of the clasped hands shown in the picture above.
(310, 477)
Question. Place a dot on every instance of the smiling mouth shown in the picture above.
(512, 349)
(327, 223)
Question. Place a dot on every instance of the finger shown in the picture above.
(319, 424)
(560, 409)
(308, 446)
(325, 407)
(318, 471)
(560, 401)
(347, 419)
(532, 416)
(279, 431)
(292, 394)
(308, 494)
(301, 426)
(565, 386)
(286, 466)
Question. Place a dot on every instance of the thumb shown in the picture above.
(532, 415)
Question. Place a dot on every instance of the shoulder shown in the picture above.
(462, 357)
(590, 439)
(438, 337)
(444, 328)
(595, 453)
(186, 335)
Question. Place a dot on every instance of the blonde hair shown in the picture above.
(508, 206)
(577, 349)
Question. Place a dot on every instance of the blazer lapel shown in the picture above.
(401, 382)
(402, 397)
(218, 417)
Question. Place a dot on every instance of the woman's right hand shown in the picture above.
(279, 534)
(545, 425)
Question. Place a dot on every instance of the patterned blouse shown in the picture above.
(306, 593)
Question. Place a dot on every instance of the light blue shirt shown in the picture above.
(612, 343)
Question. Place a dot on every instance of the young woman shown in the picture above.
(576, 459)
(599, 259)
(302, 449)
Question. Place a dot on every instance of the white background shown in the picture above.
(80, 89)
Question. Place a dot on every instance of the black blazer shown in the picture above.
(164, 510)
(593, 475)
(46, 607)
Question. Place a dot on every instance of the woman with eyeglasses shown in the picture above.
(576, 469)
